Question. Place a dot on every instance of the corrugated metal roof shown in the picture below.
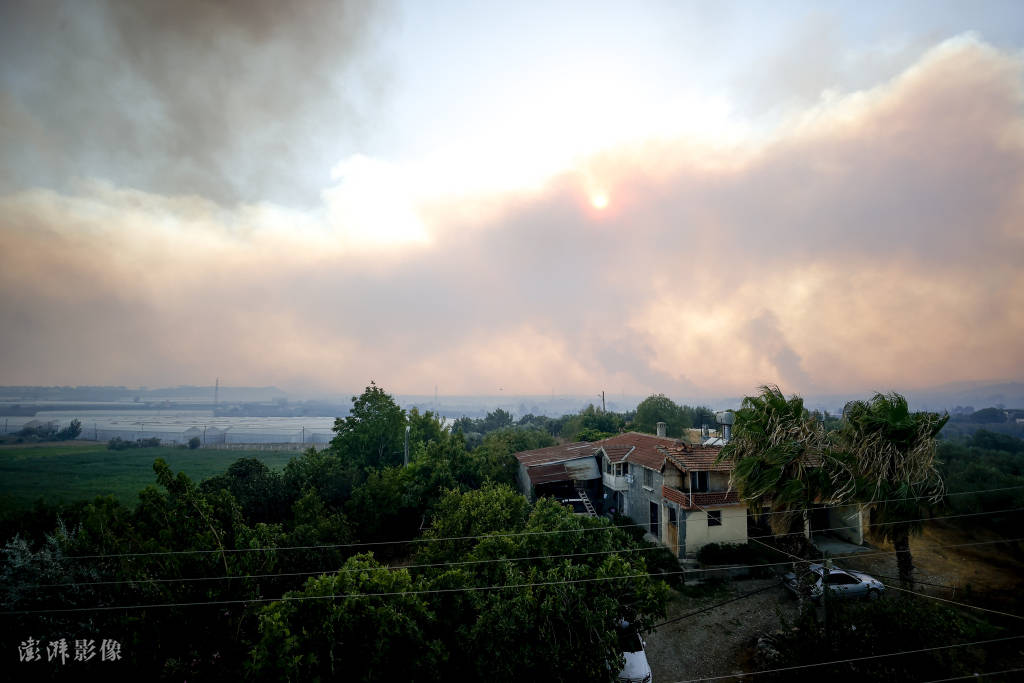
(582, 469)
(543, 474)
(555, 453)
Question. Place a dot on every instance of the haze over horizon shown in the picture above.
(655, 197)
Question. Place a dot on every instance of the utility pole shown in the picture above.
(406, 445)
(824, 597)
(602, 401)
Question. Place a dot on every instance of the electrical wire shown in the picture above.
(491, 535)
(974, 676)
(342, 596)
(475, 588)
(466, 562)
(852, 659)
(711, 607)
(954, 602)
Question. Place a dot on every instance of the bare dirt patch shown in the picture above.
(717, 642)
(992, 567)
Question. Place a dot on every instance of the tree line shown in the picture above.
(337, 566)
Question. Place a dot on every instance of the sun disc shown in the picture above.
(599, 201)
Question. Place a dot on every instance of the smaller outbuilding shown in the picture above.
(568, 472)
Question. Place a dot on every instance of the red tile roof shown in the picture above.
(700, 500)
(617, 453)
(696, 459)
(646, 451)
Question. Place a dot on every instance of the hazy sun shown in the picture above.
(599, 201)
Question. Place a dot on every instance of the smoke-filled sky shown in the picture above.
(688, 198)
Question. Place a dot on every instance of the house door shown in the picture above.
(672, 532)
(654, 521)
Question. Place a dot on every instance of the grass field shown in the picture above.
(70, 472)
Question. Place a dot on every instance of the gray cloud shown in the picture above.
(236, 101)
(877, 245)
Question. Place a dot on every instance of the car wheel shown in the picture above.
(874, 594)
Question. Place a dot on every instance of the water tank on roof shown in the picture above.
(727, 419)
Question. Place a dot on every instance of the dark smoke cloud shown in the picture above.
(875, 245)
(242, 100)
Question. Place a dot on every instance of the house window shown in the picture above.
(699, 481)
(607, 465)
(648, 478)
(714, 518)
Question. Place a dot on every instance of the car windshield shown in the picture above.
(629, 641)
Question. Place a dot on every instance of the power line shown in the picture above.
(973, 676)
(344, 570)
(954, 602)
(342, 596)
(511, 559)
(472, 588)
(711, 607)
(852, 659)
(498, 535)
(501, 559)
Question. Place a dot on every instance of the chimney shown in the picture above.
(661, 429)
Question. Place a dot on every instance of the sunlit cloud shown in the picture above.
(871, 241)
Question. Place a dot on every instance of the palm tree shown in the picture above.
(892, 451)
(780, 455)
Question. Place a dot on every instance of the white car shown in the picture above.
(636, 670)
(842, 583)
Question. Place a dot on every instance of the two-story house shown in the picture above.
(673, 490)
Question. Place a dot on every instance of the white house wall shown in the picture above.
(699, 534)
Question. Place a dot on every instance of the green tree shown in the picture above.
(549, 618)
(425, 427)
(893, 453)
(363, 623)
(496, 419)
(372, 434)
(258, 490)
(660, 408)
(780, 457)
(72, 431)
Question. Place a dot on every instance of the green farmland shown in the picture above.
(71, 472)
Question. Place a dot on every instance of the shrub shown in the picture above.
(119, 444)
(70, 432)
(42, 432)
(193, 443)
